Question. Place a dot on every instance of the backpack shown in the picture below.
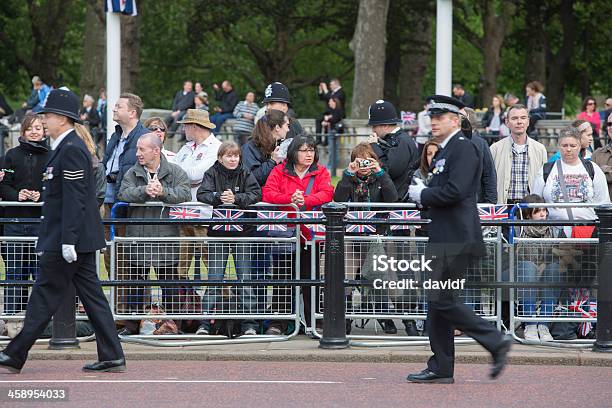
(588, 165)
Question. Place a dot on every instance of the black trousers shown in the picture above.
(446, 312)
(49, 292)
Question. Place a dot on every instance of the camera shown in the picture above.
(365, 163)
(111, 178)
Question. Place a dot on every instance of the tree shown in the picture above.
(368, 45)
(93, 68)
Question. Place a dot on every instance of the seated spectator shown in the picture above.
(229, 183)
(300, 180)
(364, 180)
(494, 117)
(152, 178)
(183, 100)
(603, 156)
(331, 120)
(198, 88)
(37, 99)
(245, 112)
(99, 174)
(589, 114)
(228, 99)
(536, 104)
(89, 117)
(24, 166)
(586, 141)
(460, 93)
(157, 125)
(201, 101)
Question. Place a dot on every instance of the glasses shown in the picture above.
(306, 150)
(609, 124)
(157, 129)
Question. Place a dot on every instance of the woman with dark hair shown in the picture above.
(301, 181)
(536, 104)
(494, 117)
(24, 166)
(589, 114)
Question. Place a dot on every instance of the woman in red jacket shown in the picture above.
(299, 180)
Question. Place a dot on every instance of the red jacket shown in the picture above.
(280, 185)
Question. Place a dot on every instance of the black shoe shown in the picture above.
(429, 377)
(500, 357)
(110, 366)
(9, 363)
(349, 326)
(411, 329)
(388, 326)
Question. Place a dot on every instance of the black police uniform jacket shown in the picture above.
(451, 200)
(70, 212)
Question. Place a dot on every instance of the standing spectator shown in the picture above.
(424, 129)
(331, 121)
(536, 104)
(494, 116)
(153, 179)
(300, 180)
(97, 166)
(245, 113)
(23, 182)
(589, 114)
(517, 158)
(228, 99)
(195, 158)
(201, 101)
(89, 116)
(466, 98)
(277, 97)
(183, 100)
(395, 148)
(335, 89)
(603, 156)
(604, 114)
(157, 125)
(119, 157)
(101, 108)
(229, 183)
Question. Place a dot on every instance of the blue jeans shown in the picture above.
(218, 119)
(21, 263)
(527, 271)
(218, 255)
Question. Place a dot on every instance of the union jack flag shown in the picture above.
(317, 230)
(580, 305)
(404, 215)
(272, 215)
(228, 214)
(184, 213)
(493, 212)
(360, 215)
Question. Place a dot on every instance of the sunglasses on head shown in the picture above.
(157, 129)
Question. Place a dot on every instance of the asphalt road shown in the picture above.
(277, 384)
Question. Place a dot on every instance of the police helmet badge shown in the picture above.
(268, 91)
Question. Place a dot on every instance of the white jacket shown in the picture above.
(196, 159)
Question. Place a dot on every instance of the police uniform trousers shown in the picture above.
(50, 291)
(447, 312)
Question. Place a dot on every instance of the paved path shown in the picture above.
(284, 384)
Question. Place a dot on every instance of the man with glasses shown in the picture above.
(603, 156)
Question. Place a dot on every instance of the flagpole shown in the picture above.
(113, 67)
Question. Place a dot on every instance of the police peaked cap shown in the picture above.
(277, 92)
(440, 104)
(62, 102)
(382, 113)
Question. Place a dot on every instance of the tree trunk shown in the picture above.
(93, 70)
(559, 63)
(368, 45)
(396, 24)
(415, 62)
(535, 52)
(130, 48)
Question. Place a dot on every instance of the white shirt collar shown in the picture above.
(56, 142)
(445, 141)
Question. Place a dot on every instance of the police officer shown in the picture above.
(395, 148)
(277, 96)
(70, 234)
(455, 237)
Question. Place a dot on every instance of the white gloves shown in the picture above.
(69, 253)
(414, 190)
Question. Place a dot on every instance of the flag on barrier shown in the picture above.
(317, 230)
(404, 215)
(272, 215)
(360, 215)
(185, 213)
(494, 212)
(228, 214)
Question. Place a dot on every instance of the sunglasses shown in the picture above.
(609, 124)
(590, 103)
(157, 129)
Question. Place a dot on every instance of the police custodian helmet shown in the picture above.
(382, 113)
(62, 102)
(277, 92)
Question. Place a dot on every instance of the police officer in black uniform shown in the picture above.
(70, 234)
(455, 238)
(277, 96)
